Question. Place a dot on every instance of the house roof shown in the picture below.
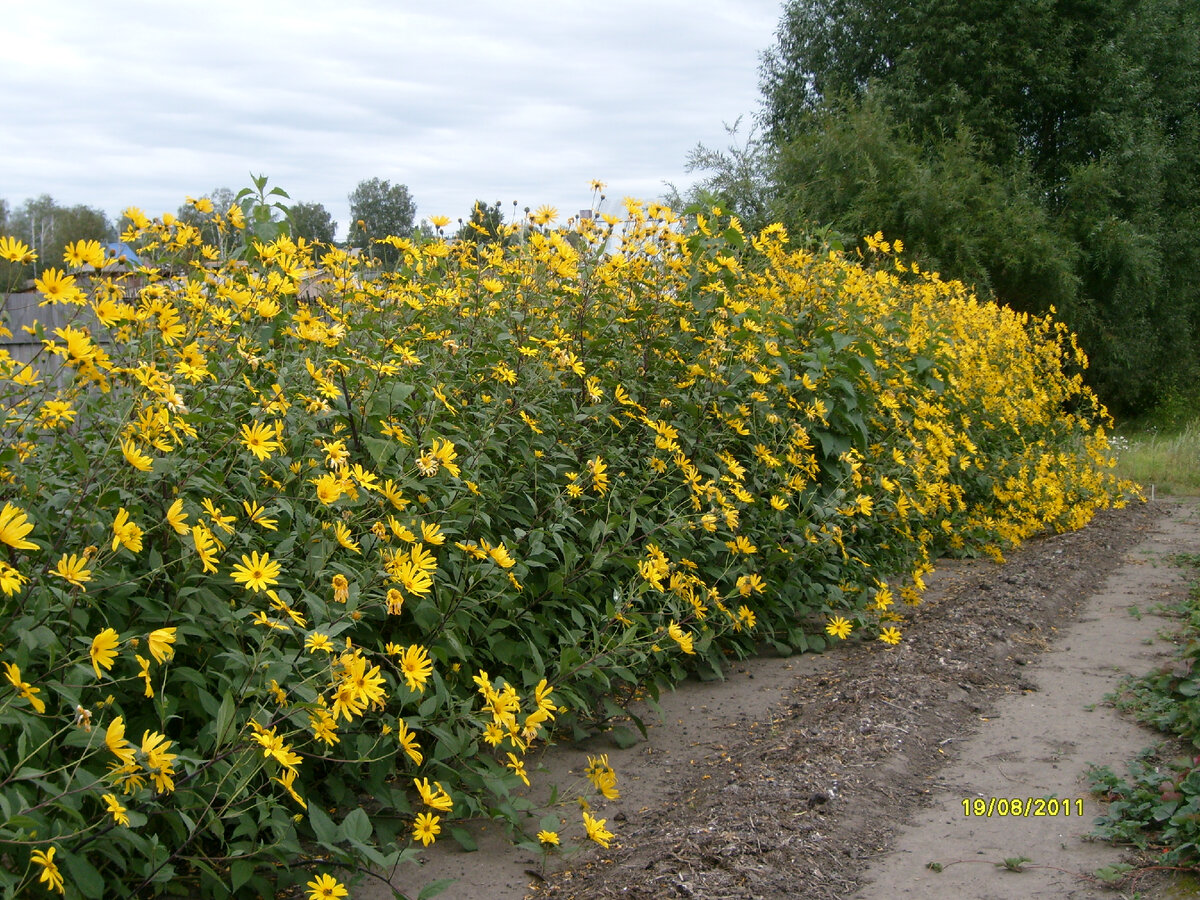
(121, 250)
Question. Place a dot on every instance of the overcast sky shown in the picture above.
(124, 103)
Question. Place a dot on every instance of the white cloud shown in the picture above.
(137, 103)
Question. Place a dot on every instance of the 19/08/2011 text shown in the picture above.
(1036, 807)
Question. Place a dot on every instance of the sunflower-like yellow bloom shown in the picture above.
(14, 525)
(257, 572)
(104, 650)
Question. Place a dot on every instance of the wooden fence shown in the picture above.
(22, 311)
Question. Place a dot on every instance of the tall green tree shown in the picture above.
(379, 209)
(1046, 149)
(313, 222)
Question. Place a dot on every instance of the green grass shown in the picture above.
(1168, 461)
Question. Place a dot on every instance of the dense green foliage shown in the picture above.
(1048, 151)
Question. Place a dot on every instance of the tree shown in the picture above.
(48, 228)
(483, 225)
(210, 223)
(738, 180)
(379, 209)
(1047, 150)
(313, 222)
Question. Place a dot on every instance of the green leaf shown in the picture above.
(324, 829)
(357, 826)
(624, 737)
(225, 716)
(84, 875)
(240, 872)
(464, 839)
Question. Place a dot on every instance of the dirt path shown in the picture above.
(1038, 744)
(843, 775)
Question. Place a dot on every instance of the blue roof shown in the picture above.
(118, 249)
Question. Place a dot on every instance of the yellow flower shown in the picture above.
(518, 768)
(747, 584)
(24, 688)
(445, 453)
(287, 778)
(341, 531)
(256, 514)
(501, 556)
(417, 667)
(58, 287)
(72, 569)
(176, 517)
(16, 251)
(126, 532)
(599, 479)
(14, 525)
(409, 742)
(683, 639)
(544, 215)
(602, 776)
(329, 488)
(318, 641)
(890, 635)
(114, 737)
(326, 887)
(82, 253)
(205, 546)
(596, 830)
(145, 673)
(741, 544)
(548, 838)
(259, 439)
(435, 797)
(257, 572)
(113, 806)
(839, 627)
(56, 412)
(395, 602)
(104, 650)
(426, 828)
(219, 519)
(341, 588)
(161, 641)
(50, 875)
(159, 762)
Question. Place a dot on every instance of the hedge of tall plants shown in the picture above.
(303, 557)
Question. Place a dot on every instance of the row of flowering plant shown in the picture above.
(301, 557)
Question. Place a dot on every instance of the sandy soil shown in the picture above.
(843, 775)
